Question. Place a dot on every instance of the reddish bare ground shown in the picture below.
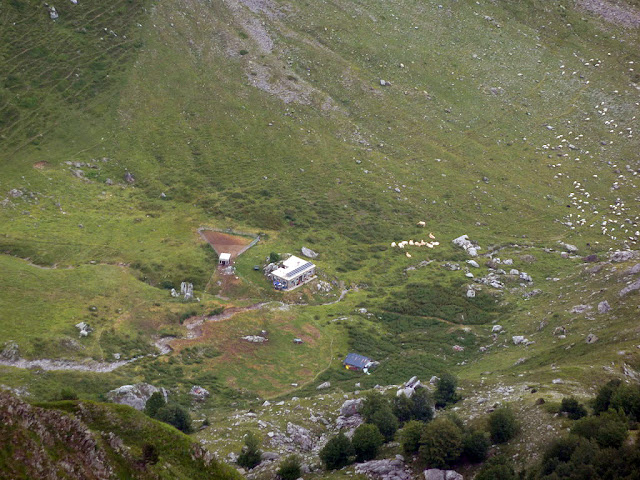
(226, 243)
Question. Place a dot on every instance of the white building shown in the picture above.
(293, 273)
(224, 259)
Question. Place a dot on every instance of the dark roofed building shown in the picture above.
(355, 361)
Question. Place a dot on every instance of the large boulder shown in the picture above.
(437, 474)
(350, 407)
(622, 255)
(604, 307)
(384, 469)
(135, 396)
(307, 252)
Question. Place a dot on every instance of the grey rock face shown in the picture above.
(350, 407)
(384, 469)
(437, 474)
(135, 396)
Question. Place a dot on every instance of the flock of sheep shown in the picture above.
(421, 243)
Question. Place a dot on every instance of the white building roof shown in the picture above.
(225, 257)
(293, 267)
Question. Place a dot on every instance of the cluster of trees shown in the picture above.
(596, 446)
(383, 417)
(171, 413)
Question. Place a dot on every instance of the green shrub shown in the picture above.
(440, 443)
(608, 429)
(410, 435)
(445, 393)
(418, 407)
(603, 399)
(149, 454)
(175, 415)
(627, 399)
(475, 445)
(290, 468)
(503, 425)
(250, 455)
(274, 257)
(68, 394)
(155, 403)
(497, 468)
(377, 410)
(574, 409)
(366, 441)
(337, 452)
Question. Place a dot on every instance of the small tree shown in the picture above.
(290, 468)
(175, 415)
(608, 429)
(337, 452)
(410, 436)
(445, 393)
(574, 409)
(497, 468)
(155, 403)
(376, 409)
(441, 443)
(475, 445)
(422, 405)
(503, 425)
(366, 441)
(251, 454)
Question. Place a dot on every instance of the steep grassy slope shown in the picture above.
(97, 441)
(512, 122)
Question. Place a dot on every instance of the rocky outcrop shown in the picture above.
(135, 396)
(350, 407)
(35, 435)
(437, 474)
(385, 469)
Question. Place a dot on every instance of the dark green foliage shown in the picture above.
(205, 422)
(503, 425)
(497, 468)
(627, 399)
(290, 468)
(475, 445)
(608, 429)
(441, 443)
(68, 394)
(445, 393)
(377, 410)
(337, 452)
(274, 257)
(574, 409)
(418, 407)
(155, 403)
(175, 415)
(410, 435)
(251, 454)
(149, 454)
(603, 399)
(366, 441)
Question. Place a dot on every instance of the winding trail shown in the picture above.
(194, 330)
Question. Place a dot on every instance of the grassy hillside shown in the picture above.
(334, 125)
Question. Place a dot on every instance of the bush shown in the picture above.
(603, 399)
(441, 443)
(175, 415)
(250, 455)
(290, 468)
(574, 409)
(274, 257)
(497, 468)
(366, 441)
(68, 394)
(475, 446)
(149, 454)
(627, 398)
(503, 425)
(609, 429)
(155, 403)
(376, 409)
(418, 407)
(337, 452)
(445, 393)
(410, 435)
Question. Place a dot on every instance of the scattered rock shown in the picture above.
(11, 351)
(630, 288)
(496, 329)
(324, 385)
(590, 258)
(557, 381)
(471, 293)
(580, 309)
(568, 247)
(199, 393)
(622, 255)
(384, 469)
(561, 330)
(255, 339)
(84, 328)
(518, 339)
(591, 338)
(129, 178)
(108, 181)
(473, 263)
(437, 474)
(604, 307)
(464, 242)
(135, 396)
(350, 407)
(307, 252)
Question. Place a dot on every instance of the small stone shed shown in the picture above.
(224, 259)
(357, 362)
